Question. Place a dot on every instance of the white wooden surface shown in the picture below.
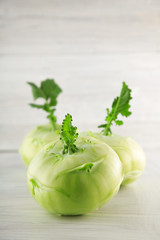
(89, 47)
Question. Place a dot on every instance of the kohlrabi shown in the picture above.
(43, 134)
(129, 152)
(74, 175)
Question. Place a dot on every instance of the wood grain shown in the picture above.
(89, 47)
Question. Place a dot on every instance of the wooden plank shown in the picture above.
(134, 213)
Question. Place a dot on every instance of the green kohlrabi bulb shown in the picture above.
(77, 183)
(130, 153)
(36, 139)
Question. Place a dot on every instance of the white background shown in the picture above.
(89, 47)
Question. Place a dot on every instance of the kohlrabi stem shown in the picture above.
(52, 120)
(51, 117)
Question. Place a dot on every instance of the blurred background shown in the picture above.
(89, 48)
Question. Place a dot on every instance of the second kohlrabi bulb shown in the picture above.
(130, 153)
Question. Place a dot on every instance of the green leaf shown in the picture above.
(36, 91)
(121, 103)
(51, 90)
(36, 105)
(102, 125)
(68, 135)
(121, 106)
(118, 122)
(45, 107)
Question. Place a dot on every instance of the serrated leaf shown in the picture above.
(68, 135)
(121, 103)
(121, 106)
(36, 91)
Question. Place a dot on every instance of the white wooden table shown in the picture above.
(89, 47)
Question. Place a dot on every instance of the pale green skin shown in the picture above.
(78, 183)
(130, 153)
(36, 139)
